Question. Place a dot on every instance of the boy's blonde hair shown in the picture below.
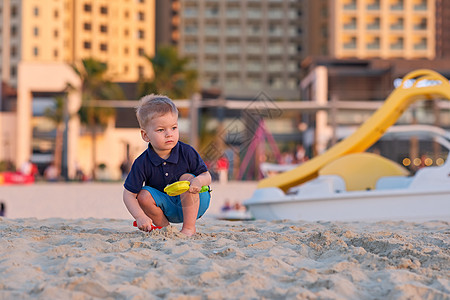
(152, 106)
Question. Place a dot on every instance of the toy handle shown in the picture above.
(153, 226)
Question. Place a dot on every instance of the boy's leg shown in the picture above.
(190, 204)
(149, 207)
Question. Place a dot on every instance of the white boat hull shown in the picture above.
(404, 204)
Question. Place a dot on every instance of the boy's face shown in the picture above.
(162, 133)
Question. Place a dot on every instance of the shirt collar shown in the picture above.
(157, 160)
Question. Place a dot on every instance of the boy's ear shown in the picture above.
(144, 136)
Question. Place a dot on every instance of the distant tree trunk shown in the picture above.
(57, 159)
(93, 128)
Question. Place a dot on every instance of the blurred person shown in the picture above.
(2, 209)
(222, 168)
(51, 173)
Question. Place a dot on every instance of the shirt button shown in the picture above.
(167, 174)
(164, 163)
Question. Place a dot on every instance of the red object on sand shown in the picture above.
(15, 178)
(153, 226)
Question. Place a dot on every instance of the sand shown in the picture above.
(108, 259)
(76, 256)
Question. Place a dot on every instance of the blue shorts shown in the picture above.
(171, 205)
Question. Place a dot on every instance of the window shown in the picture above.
(56, 14)
(104, 10)
(55, 53)
(87, 26)
(127, 14)
(36, 11)
(13, 51)
(35, 51)
(13, 11)
(36, 31)
(141, 51)
(141, 16)
(87, 7)
(125, 69)
(141, 71)
(87, 45)
(141, 34)
(13, 30)
(126, 50)
(13, 71)
(55, 33)
(104, 28)
(103, 47)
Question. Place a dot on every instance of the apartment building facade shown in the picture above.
(39, 40)
(116, 32)
(383, 29)
(243, 47)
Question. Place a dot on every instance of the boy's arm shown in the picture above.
(143, 221)
(199, 181)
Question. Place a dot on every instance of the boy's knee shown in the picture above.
(186, 176)
(144, 197)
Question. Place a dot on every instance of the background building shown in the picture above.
(243, 47)
(116, 32)
(442, 29)
(383, 29)
(39, 40)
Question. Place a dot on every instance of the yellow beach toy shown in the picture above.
(179, 187)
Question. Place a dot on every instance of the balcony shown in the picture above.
(233, 31)
(373, 46)
(397, 26)
(373, 26)
(350, 26)
(275, 15)
(191, 48)
(190, 13)
(233, 14)
(421, 7)
(350, 6)
(190, 30)
(374, 6)
(212, 31)
(397, 7)
(421, 26)
(252, 14)
(233, 67)
(211, 49)
(397, 46)
(254, 67)
(233, 49)
(421, 45)
(350, 43)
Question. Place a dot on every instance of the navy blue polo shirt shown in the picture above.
(156, 172)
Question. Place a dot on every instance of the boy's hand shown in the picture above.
(144, 223)
(195, 186)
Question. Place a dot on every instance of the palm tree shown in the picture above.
(95, 86)
(172, 77)
(56, 115)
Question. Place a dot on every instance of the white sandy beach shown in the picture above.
(104, 257)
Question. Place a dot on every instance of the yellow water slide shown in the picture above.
(418, 85)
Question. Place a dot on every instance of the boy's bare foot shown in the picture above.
(188, 232)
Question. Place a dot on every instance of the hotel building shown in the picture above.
(243, 47)
(39, 40)
(383, 29)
